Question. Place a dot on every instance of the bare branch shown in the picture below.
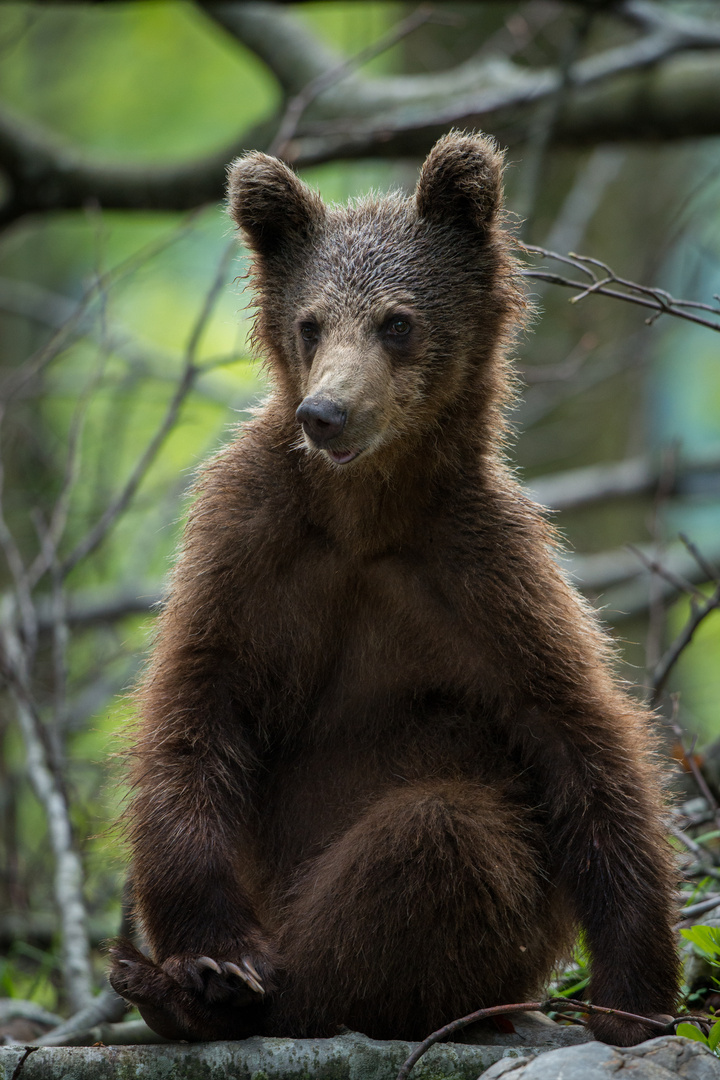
(107, 1007)
(574, 488)
(46, 174)
(689, 843)
(31, 301)
(68, 868)
(710, 571)
(89, 608)
(658, 300)
(620, 582)
(294, 55)
(502, 97)
(600, 571)
(393, 116)
(701, 908)
(553, 1004)
(16, 565)
(694, 768)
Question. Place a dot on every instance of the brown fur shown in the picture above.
(382, 752)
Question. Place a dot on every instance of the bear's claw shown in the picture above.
(249, 976)
(208, 962)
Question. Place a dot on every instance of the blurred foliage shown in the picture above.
(158, 82)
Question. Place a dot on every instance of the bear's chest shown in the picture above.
(391, 631)
(401, 625)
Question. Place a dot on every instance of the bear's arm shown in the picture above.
(195, 764)
(601, 804)
(587, 749)
(193, 777)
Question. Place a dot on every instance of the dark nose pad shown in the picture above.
(322, 420)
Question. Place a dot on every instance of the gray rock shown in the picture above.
(666, 1058)
(531, 1029)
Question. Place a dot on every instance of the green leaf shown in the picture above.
(706, 939)
(689, 1031)
(573, 991)
(714, 1036)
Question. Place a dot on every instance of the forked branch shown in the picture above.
(598, 278)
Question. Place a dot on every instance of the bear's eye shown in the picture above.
(309, 332)
(398, 327)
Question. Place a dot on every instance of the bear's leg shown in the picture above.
(433, 904)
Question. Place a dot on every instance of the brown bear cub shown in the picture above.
(384, 771)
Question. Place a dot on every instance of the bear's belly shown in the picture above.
(401, 689)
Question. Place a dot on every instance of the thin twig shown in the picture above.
(457, 1025)
(190, 372)
(705, 566)
(554, 1004)
(698, 613)
(658, 300)
(692, 763)
(44, 356)
(309, 93)
(28, 1050)
(676, 580)
(543, 128)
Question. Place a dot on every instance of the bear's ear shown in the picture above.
(461, 180)
(274, 209)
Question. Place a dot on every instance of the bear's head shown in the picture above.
(385, 321)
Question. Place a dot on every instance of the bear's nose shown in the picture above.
(321, 419)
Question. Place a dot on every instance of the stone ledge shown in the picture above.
(347, 1057)
(355, 1057)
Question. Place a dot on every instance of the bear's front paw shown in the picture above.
(190, 997)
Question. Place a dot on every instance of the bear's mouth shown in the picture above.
(342, 457)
